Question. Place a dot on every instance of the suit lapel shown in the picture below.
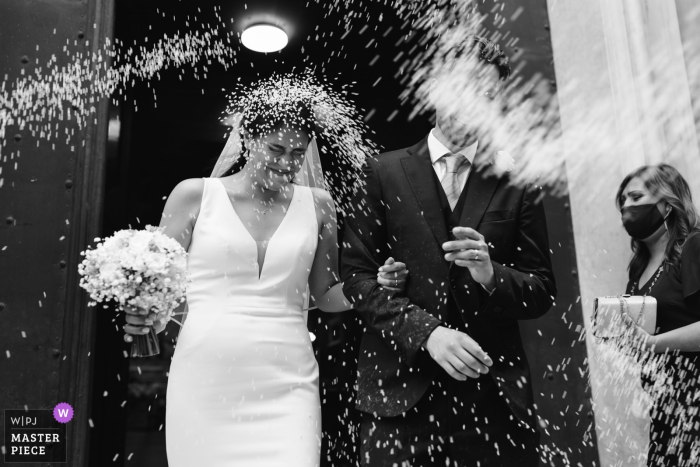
(480, 190)
(417, 168)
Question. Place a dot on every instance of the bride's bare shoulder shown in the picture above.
(322, 197)
(188, 191)
(190, 185)
(325, 207)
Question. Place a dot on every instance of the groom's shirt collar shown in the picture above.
(437, 149)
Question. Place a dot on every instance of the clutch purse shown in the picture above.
(607, 323)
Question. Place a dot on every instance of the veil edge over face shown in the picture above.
(311, 173)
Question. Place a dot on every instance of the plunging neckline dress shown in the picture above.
(243, 383)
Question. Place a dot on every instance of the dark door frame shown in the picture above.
(79, 325)
(55, 192)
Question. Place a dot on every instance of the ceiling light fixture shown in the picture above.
(264, 38)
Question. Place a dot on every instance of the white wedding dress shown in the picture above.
(243, 385)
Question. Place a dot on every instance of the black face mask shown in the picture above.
(641, 221)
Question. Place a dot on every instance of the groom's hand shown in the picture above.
(457, 353)
(471, 251)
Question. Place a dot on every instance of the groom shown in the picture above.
(442, 375)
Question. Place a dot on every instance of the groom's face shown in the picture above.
(462, 97)
(278, 156)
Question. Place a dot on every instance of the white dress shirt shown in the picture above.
(437, 150)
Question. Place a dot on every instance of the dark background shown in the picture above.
(168, 129)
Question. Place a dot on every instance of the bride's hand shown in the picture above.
(392, 275)
(138, 321)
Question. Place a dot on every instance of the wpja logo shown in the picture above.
(37, 435)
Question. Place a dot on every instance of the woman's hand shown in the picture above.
(392, 275)
(634, 337)
(138, 321)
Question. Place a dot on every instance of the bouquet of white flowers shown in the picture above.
(142, 269)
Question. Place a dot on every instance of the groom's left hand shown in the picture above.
(471, 251)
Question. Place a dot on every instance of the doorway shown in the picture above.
(169, 128)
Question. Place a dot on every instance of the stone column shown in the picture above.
(625, 100)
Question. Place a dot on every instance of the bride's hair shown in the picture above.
(264, 118)
(300, 101)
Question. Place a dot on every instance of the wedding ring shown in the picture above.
(396, 282)
(476, 255)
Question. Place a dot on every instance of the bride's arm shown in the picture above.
(177, 221)
(324, 280)
(181, 211)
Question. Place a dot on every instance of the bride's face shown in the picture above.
(276, 157)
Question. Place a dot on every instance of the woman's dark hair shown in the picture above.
(668, 184)
(265, 118)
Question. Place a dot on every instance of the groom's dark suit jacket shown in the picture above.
(398, 212)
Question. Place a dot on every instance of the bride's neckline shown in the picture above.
(258, 246)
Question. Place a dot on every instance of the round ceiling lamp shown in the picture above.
(264, 38)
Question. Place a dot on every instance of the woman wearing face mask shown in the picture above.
(658, 213)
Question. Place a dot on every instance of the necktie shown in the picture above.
(450, 181)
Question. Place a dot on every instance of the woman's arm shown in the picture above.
(324, 279)
(177, 221)
(685, 339)
(333, 301)
(181, 211)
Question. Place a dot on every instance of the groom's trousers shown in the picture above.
(456, 423)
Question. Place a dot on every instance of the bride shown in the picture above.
(243, 384)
